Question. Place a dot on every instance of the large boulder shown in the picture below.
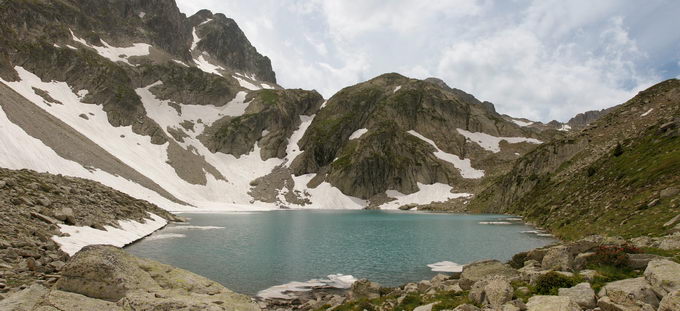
(671, 302)
(493, 292)
(640, 261)
(582, 294)
(606, 304)
(364, 289)
(630, 292)
(558, 258)
(552, 303)
(663, 275)
(479, 270)
(110, 274)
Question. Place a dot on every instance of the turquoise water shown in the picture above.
(250, 252)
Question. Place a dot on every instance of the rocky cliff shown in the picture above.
(617, 176)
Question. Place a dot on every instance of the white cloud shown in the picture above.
(543, 60)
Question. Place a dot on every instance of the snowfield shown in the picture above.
(492, 143)
(463, 165)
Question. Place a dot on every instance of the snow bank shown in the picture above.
(129, 232)
(446, 266)
(285, 291)
(492, 143)
(358, 133)
(463, 165)
(522, 123)
(116, 54)
(427, 194)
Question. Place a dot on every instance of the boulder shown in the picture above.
(663, 275)
(582, 294)
(364, 289)
(670, 302)
(65, 214)
(109, 274)
(630, 292)
(25, 300)
(670, 242)
(581, 260)
(606, 304)
(669, 192)
(640, 261)
(493, 292)
(673, 221)
(558, 258)
(466, 307)
(479, 270)
(427, 307)
(552, 303)
(588, 275)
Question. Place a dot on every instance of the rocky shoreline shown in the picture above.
(595, 273)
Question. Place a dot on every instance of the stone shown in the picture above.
(640, 261)
(24, 300)
(65, 214)
(582, 294)
(558, 258)
(588, 275)
(669, 192)
(427, 307)
(108, 273)
(424, 286)
(630, 292)
(364, 289)
(492, 292)
(2, 184)
(551, 303)
(670, 302)
(479, 270)
(581, 260)
(606, 304)
(670, 242)
(673, 221)
(44, 218)
(663, 275)
(466, 307)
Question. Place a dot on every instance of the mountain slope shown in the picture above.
(395, 135)
(620, 175)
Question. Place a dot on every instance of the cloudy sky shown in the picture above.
(542, 60)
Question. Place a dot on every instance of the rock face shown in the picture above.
(391, 112)
(557, 185)
(106, 278)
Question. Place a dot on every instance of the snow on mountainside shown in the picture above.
(185, 113)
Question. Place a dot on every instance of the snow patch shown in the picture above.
(141, 14)
(293, 150)
(646, 113)
(495, 223)
(492, 143)
(286, 291)
(427, 194)
(180, 62)
(446, 266)
(116, 54)
(129, 232)
(246, 84)
(463, 165)
(358, 133)
(396, 89)
(564, 128)
(206, 66)
(162, 236)
(267, 86)
(522, 123)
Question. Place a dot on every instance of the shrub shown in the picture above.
(518, 260)
(618, 150)
(549, 283)
(611, 255)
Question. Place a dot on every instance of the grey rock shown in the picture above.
(552, 303)
(630, 292)
(582, 294)
(364, 289)
(558, 258)
(669, 223)
(479, 270)
(466, 307)
(663, 275)
(669, 192)
(640, 261)
(670, 302)
(24, 300)
(606, 304)
(427, 307)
